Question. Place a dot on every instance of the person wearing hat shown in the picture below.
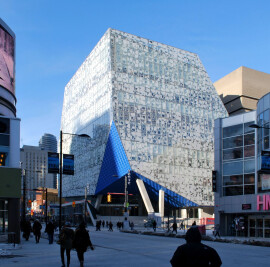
(66, 242)
(194, 253)
(82, 242)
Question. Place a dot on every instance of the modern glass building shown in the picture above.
(149, 108)
(48, 142)
(242, 164)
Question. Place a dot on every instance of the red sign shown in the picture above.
(263, 201)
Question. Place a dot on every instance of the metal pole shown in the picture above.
(46, 207)
(85, 204)
(24, 195)
(125, 193)
(60, 181)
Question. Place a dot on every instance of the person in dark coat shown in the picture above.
(50, 231)
(194, 253)
(82, 242)
(66, 239)
(37, 230)
(110, 227)
(174, 226)
(154, 225)
(26, 229)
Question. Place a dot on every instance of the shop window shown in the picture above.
(233, 180)
(249, 151)
(249, 139)
(249, 189)
(249, 178)
(248, 129)
(233, 190)
(235, 153)
(233, 142)
(233, 168)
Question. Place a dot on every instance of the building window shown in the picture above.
(238, 160)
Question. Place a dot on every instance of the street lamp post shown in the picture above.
(61, 171)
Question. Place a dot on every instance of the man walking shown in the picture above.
(50, 231)
(174, 226)
(217, 230)
(154, 225)
(81, 242)
(194, 253)
(37, 230)
(66, 238)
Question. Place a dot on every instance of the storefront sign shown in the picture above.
(263, 201)
(265, 160)
(246, 206)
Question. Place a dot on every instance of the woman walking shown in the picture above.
(81, 242)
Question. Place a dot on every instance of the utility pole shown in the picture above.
(46, 207)
(60, 178)
(85, 199)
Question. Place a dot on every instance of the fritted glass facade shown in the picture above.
(163, 105)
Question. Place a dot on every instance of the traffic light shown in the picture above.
(109, 198)
(29, 202)
(3, 156)
(73, 204)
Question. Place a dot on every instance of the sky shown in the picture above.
(53, 38)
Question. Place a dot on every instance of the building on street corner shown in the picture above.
(242, 172)
(149, 109)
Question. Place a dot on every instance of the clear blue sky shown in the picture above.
(55, 36)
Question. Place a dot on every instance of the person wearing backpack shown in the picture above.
(82, 242)
(66, 238)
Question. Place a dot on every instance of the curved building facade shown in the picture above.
(7, 71)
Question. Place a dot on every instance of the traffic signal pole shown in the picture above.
(60, 182)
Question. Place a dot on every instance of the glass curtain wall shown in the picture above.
(238, 160)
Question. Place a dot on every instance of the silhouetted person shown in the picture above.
(103, 223)
(194, 253)
(174, 226)
(181, 226)
(37, 230)
(50, 231)
(154, 225)
(194, 223)
(81, 242)
(26, 229)
(110, 227)
(217, 230)
(66, 243)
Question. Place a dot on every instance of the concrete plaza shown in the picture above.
(132, 250)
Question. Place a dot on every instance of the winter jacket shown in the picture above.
(82, 239)
(36, 228)
(66, 238)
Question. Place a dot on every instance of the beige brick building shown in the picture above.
(241, 89)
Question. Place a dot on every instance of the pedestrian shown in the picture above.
(50, 231)
(65, 241)
(37, 230)
(154, 225)
(82, 242)
(26, 229)
(182, 226)
(107, 224)
(110, 227)
(217, 230)
(194, 223)
(131, 225)
(103, 223)
(174, 226)
(194, 253)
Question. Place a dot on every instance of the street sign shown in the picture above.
(53, 162)
(68, 164)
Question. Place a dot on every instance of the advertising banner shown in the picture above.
(265, 159)
(265, 178)
(7, 77)
(53, 162)
(68, 164)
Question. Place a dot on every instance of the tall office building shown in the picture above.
(48, 142)
(10, 173)
(35, 163)
(241, 89)
(148, 108)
